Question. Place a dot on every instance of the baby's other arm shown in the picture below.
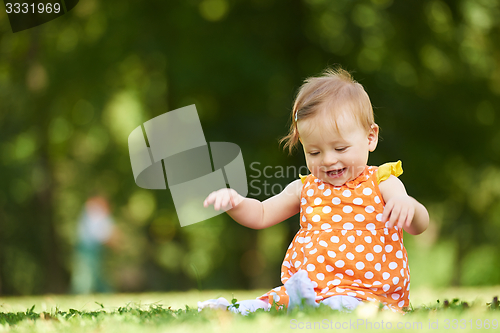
(255, 214)
(401, 209)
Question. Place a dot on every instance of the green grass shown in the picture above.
(468, 310)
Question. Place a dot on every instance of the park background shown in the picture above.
(73, 89)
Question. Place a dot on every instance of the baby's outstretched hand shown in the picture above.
(399, 210)
(224, 199)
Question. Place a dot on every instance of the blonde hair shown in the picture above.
(331, 92)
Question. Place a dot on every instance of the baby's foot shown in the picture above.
(219, 303)
(300, 290)
(252, 305)
(342, 303)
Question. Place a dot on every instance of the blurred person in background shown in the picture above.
(96, 229)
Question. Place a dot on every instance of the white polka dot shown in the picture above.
(382, 239)
(369, 275)
(369, 209)
(368, 239)
(316, 218)
(317, 201)
(339, 263)
(310, 192)
(378, 266)
(393, 265)
(401, 303)
(339, 290)
(386, 287)
(395, 280)
(294, 255)
(351, 294)
(327, 209)
(348, 226)
(379, 217)
(347, 209)
(394, 237)
(359, 232)
(323, 243)
(369, 257)
(402, 272)
(311, 267)
(329, 268)
(377, 199)
(300, 240)
(320, 276)
(404, 263)
(334, 239)
(309, 245)
(331, 254)
(370, 226)
(307, 184)
(342, 247)
(349, 272)
(386, 275)
(303, 201)
(399, 254)
(388, 248)
(351, 239)
(297, 264)
(383, 257)
(322, 186)
(313, 251)
(335, 201)
(286, 264)
(359, 217)
(360, 248)
(307, 239)
(336, 218)
(346, 193)
(325, 226)
(336, 282)
(367, 191)
(309, 210)
(327, 192)
(360, 265)
(398, 289)
(357, 201)
(349, 256)
(320, 259)
(303, 218)
(343, 232)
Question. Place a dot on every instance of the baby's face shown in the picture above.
(332, 156)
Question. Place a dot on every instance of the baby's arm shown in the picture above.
(401, 209)
(255, 214)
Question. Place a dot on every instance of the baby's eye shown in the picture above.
(314, 153)
(341, 149)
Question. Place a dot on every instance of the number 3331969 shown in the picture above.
(25, 8)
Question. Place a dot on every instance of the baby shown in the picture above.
(350, 244)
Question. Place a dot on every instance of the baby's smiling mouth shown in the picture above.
(336, 173)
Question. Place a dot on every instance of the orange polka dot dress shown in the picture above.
(345, 247)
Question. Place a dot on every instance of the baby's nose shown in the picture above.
(330, 159)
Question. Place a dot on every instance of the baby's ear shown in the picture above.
(373, 137)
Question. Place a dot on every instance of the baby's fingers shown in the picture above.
(387, 211)
(403, 215)
(409, 218)
(210, 199)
